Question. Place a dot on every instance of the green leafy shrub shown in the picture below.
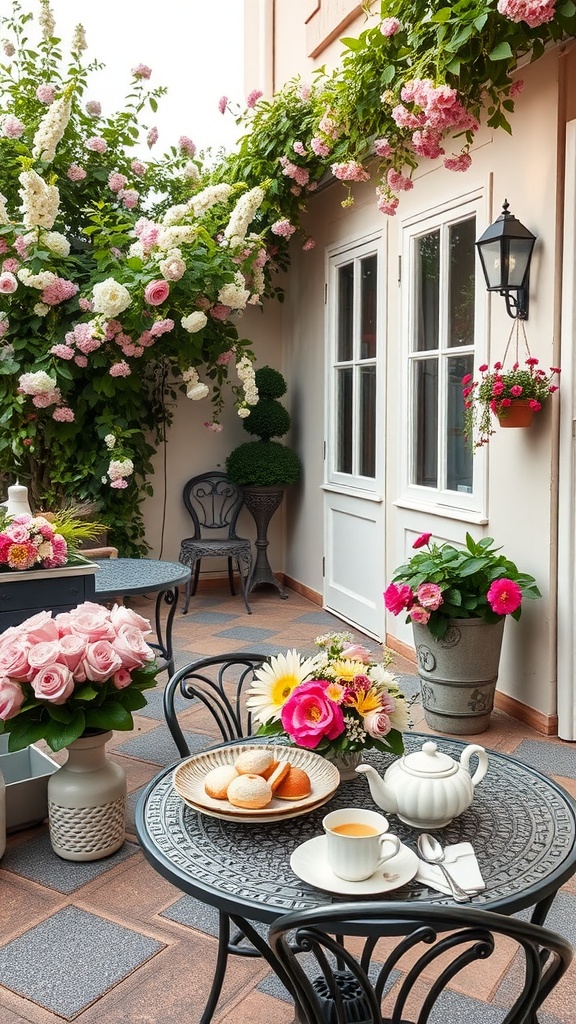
(263, 464)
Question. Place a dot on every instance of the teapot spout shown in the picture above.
(379, 790)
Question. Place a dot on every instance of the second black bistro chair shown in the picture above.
(218, 683)
(214, 502)
(404, 978)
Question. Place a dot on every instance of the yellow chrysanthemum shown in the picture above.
(345, 669)
(274, 682)
(335, 692)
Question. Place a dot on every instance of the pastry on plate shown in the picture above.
(217, 781)
(249, 791)
(253, 762)
(295, 786)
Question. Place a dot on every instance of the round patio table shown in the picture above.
(131, 577)
(521, 824)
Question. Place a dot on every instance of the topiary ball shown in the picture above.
(263, 464)
(267, 419)
(270, 383)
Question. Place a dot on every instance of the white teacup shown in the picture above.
(355, 841)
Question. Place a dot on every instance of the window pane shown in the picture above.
(345, 312)
(367, 421)
(461, 283)
(427, 291)
(426, 422)
(368, 281)
(459, 476)
(344, 421)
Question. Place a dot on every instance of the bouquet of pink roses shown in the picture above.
(338, 702)
(83, 669)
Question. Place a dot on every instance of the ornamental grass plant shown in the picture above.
(442, 582)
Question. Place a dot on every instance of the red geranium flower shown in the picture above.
(422, 540)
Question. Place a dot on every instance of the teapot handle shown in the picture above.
(467, 753)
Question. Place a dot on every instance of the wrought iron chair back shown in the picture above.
(214, 503)
(218, 683)
(332, 984)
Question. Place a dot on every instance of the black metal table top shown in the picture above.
(124, 576)
(521, 824)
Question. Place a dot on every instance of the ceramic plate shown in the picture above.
(189, 778)
(310, 864)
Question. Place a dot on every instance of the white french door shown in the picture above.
(353, 488)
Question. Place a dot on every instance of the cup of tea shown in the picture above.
(358, 842)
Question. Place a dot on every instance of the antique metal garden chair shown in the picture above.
(214, 503)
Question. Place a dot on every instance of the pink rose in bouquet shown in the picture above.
(28, 542)
(93, 663)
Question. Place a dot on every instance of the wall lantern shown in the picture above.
(505, 251)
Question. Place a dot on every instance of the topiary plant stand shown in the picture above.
(262, 503)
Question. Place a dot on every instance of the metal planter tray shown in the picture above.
(26, 773)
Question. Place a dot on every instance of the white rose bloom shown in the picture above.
(56, 243)
(172, 268)
(110, 298)
(198, 391)
(4, 218)
(41, 309)
(136, 249)
(38, 281)
(234, 294)
(109, 440)
(194, 322)
(190, 376)
(243, 412)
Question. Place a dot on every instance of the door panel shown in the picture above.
(355, 561)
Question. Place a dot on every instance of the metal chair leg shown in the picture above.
(191, 585)
(231, 577)
(244, 585)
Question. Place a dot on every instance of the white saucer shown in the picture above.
(309, 862)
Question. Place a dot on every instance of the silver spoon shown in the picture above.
(431, 851)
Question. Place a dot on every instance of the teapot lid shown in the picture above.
(430, 761)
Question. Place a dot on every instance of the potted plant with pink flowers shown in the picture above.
(70, 680)
(510, 396)
(457, 600)
(337, 703)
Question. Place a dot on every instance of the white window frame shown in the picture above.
(337, 257)
(468, 507)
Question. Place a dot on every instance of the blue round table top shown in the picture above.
(137, 576)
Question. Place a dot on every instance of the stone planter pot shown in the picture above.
(458, 674)
(87, 801)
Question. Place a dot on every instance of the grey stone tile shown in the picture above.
(213, 618)
(72, 958)
(246, 633)
(155, 708)
(36, 860)
(550, 758)
(321, 618)
(158, 747)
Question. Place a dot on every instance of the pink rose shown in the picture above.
(122, 616)
(11, 698)
(396, 599)
(131, 647)
(92, 621)
(72, 649)
(39, 627)
(357, 653)
(309, 716)
(101, 661)
(45, 653)
(430, 596)
(121, 678)
(156, 292)
(54, 683)
(14, 659)
(419, 614)
(422, 540)
(377, 723)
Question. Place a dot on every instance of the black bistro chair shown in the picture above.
(214, 502)
(218, 683)
(403, 980)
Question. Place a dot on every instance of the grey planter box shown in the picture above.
(57, 590)
(26, 773)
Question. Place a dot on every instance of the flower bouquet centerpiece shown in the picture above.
(338, 703)
(81, 670)
(499, 391)
(441, 582)
(39, 542)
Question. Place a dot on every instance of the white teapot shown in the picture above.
(427, 788)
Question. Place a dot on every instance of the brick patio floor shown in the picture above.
(112, 942)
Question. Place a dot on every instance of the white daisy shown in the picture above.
(274, 682)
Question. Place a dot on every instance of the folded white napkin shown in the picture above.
(461, 863)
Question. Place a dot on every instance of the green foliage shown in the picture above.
(267, 419)
(263, 464)
(270, 382)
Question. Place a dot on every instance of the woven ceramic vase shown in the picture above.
(87, 801)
